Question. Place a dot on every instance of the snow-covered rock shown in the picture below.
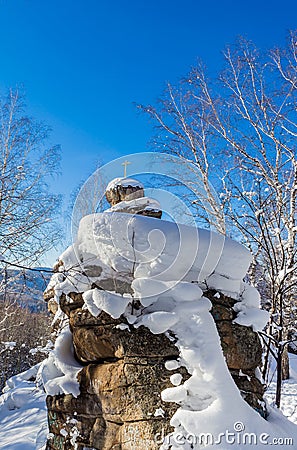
(176, 284)
(123, 189)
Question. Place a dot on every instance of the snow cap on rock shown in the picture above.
(123, 189)
(125, 182)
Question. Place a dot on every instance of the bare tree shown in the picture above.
(27, 208)
(88, 197)
(27, 226)
(24, 339)
(262, 96)
(241, 132)
(183, 130)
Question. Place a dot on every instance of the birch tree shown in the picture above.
(181, 118)
(261, 130)
(27, 208)
(241, 129)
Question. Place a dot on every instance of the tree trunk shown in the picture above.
(278, 376)
(285, 364)
(266, 360)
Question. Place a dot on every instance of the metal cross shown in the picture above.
(125, 164)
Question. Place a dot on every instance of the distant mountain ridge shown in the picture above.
(25, 286)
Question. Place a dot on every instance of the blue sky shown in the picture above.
(85, 62)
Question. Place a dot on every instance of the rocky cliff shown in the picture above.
(132, 331)
(124, 373)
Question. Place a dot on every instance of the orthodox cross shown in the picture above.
(125, 164)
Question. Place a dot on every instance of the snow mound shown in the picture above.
(59, 371)
(158, 248)
(247, 308)
(114, 304)
(131, 206)
(23, 416)
(125, 182)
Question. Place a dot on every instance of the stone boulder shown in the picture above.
(123, 189)
(127, 195)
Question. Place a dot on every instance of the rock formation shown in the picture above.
(124, 367)
(127, 195)
(123, 189)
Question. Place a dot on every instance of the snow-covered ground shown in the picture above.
(23, 417)
(289, 393)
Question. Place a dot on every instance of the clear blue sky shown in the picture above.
(84, 62)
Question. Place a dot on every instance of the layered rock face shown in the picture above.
(125, 365)
(119, 406)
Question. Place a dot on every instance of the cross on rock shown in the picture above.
(125, 164)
